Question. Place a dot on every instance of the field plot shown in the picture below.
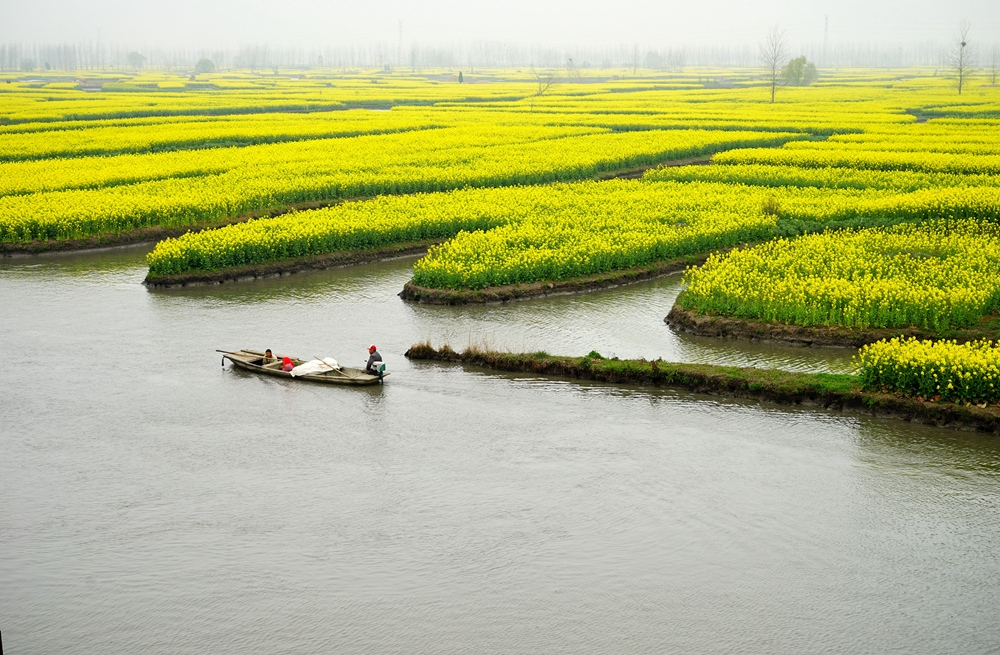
(966, 373)
(941, 168)
(934, 276)
(188, 187)
(627, 226)
(162, 150)
(109, 137)
(504, 236)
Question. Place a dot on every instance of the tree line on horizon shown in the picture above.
(30, 57)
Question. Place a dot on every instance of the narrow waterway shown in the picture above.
(153, 501)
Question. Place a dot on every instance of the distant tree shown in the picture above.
(799, 72)
(961, 59)
(204, 66)
(136, 60)
(460, 78)
(810, 75)
(654, 61)
(773, 53)
(27, 65)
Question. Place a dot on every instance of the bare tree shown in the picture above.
(545, 82)
(773, 53)
(961, 59)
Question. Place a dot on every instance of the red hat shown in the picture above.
(372, 347)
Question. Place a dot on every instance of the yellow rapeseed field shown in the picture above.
(933, 370)
(498, 172)
(936, 275)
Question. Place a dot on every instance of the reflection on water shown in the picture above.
(156, 502)
(926, 448)
(121, 264)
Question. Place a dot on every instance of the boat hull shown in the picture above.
(252, 360)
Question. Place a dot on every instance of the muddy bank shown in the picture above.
(289, 266)
(835, 392)
(416, 293)
(713, 325)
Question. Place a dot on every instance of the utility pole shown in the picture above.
(826, 37)
(399, 45)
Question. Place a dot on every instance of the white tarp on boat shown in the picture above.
(315, 366)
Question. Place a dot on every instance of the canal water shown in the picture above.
(153, 501)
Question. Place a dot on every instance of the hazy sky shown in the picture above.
(651, 22)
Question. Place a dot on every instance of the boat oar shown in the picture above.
(329, 366)
(225, 352)
(242, 353)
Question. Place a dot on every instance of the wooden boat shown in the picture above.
(253, 360)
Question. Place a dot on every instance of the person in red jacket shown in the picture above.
(286, 364)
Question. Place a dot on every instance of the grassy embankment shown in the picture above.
(831, 391)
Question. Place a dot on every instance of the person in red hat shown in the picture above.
(373, 357)
(286, 364)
